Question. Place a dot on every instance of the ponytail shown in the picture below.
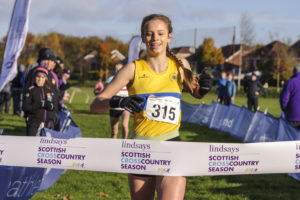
(190, 80)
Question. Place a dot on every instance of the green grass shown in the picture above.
(82, 185)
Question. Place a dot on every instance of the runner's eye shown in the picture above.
(148, 34)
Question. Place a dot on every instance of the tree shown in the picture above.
(278, 65)
(208, 55)
(247, 30)
(247, 37)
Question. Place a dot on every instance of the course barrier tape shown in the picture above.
(151, 157)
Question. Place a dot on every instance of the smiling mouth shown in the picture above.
(155, 45)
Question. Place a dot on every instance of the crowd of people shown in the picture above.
(289, 97)
(38, 92)
(226, 88)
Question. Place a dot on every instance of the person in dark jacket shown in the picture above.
(47, 59)
(40, 104)
(17, 91)
(290, 98)
(252, 88)
(5, 97)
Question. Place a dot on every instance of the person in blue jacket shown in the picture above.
(290, 98)
(221, 87)
(230, 89)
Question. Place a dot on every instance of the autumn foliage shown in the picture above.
(69, 48)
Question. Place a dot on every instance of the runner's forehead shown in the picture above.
(155, 25)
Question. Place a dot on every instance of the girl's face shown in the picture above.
(156, 36)
(229, 77)
(40, 80)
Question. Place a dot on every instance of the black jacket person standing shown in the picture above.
(252, 87)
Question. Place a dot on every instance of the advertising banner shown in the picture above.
(151, 157)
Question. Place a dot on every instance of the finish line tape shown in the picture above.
(151, 157)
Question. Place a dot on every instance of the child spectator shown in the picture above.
(221, 87)
(230, 89)
(265, 89)
(40, 104)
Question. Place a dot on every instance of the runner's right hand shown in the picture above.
(130, 103)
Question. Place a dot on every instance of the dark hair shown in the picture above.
(190, 79)
(58, 71)
(229, 73)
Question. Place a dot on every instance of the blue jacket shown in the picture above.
(290, 99)
(221, 86)
(230, 89)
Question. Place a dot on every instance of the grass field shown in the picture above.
(82, 185)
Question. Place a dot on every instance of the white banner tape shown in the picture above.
(151, 157)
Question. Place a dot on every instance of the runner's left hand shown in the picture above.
(205, 83)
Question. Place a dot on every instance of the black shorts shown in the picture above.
(115, 113)
(149, 176)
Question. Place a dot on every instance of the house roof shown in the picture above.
(295, 49)
(182, 50)
(86, 57)
(231, 49)
(269, 49)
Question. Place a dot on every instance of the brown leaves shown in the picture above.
(67, 197)
(102, 194)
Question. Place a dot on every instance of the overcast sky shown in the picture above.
(122, 18)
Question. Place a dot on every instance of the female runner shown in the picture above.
(155, 87)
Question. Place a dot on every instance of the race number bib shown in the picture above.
(163, 109)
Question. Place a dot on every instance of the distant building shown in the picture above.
(232, 55)
(116, 56)
(257, 58)
(183, 52)
(87, 62)
(294, 50)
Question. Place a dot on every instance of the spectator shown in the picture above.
(40, 104)
(46, 59)
(230, 89)
(5, 96)
(59, 68)
(265, 89)
(221, 87)
(252, 88)
(290, 98)
(17, 91)
(98, 87)
(116, 113)
(64, 85)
